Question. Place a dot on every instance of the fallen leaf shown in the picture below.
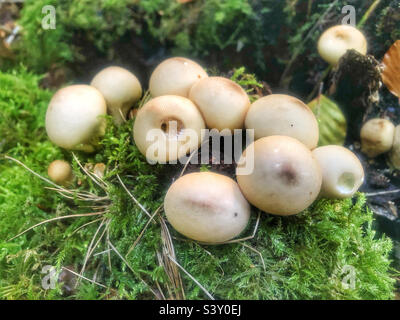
(391, 69)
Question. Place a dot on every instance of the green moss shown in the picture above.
(304, 255)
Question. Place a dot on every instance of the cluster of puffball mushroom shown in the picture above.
(290, 171)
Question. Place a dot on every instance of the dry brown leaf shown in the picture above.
(184, 1)
(391, 69)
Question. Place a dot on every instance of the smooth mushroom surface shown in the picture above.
(60, 172)
(175, 76)
(377, 137)
(74, 118)
(207, 207)
(167, 128)
(120, 88)
(286, 178)
(394, 154)
(342, 171)
(335, 41)
(279, 114)
(222, 102)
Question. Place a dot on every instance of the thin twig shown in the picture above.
(142, 232)
(93, 177)
(381, 193)
(80, 276)
(89, 250)
(256, 251)
(191, 277)
(133, 271)
(308, 36)
(133, 198)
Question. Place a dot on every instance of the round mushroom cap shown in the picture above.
(175, 76)
(286, 178)
(120, 88)
(335, 41)
(167, 128)
(222, 102)
(342, 171)
(279, 114)
(73, 118)
(377, 137)
(60, 172)
(207, 207)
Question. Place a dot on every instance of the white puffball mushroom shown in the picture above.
(335, 41)
(286, 178)
(342, 171)
(207, 207)
(222, 102)
(377, 137)
(175, 76)
(167, 128)
(60, 172)
(120, 88)
(74, 118)
(280, 114)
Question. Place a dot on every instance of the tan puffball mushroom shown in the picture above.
(377, 137)
(167, 128)
(342, 171)
(335, 41)
(120, 88)
(60, 172)
(394, 154)
(74, 118)
(279, 114)
(222, 102)
(207, 207)
(286, 178)
(175, 76)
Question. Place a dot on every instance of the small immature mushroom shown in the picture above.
(207, 207)
(279, 114)
(120, 88)
(167, 128)
(394, 154)
(286, 178)
(222, 102)
(60, 172)
(377, 137)
(74, 118)
(175, 76)
(342, 171)
(335, 41)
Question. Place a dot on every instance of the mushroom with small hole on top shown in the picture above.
(342, 171)
(335, 41)
(120, 88)
(74, 118)
(286, 178)
(377, 137)
(175, 76)
(280, 114)
(60, 172)
(207, 207)
(167, 128)
(222, 102)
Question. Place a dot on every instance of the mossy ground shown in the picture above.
(304, 255)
